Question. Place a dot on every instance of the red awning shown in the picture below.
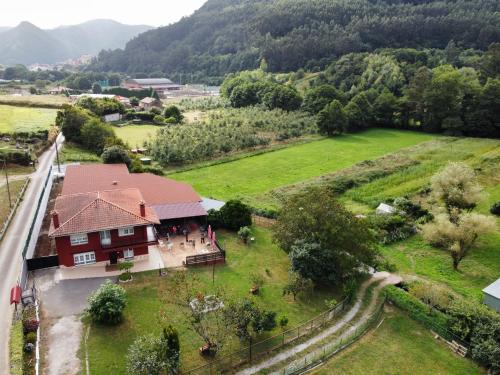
(179, 210)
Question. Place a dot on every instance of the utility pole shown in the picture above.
(57, 156)
(7, 181)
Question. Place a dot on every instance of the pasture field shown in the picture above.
(15, 188)
(73, 153)
(136, 135)
(251, 178)
(148, 300)
(48, 101)
(398, 346)
(24, 119)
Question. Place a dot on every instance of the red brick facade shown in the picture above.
(138, 242)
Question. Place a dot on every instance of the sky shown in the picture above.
(48, 14)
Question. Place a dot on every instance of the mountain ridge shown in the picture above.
(28, 44)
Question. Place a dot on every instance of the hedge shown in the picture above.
(435, 320)
(16, 348)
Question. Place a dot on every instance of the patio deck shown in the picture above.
(176, 249)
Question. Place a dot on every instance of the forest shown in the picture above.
(226, 36)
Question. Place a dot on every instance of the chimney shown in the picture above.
(115, 182)
(55, 219)
(142, 205)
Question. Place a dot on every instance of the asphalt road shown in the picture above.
(11, 249)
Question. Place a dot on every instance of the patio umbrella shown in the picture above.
(213, 238)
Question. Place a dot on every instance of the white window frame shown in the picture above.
(128, 231)
(82, 259)
(105, 236)
(79, 239)
(128, 254)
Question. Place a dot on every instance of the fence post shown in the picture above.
(298, 331)
(283, 341)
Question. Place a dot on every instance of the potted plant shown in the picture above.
(126, 276)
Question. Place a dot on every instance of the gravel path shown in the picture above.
(64, 341)
(348, 317)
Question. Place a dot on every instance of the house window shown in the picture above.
(128, 254)
(122, 232)
(84, 258)
(79, 239)
(105, 237)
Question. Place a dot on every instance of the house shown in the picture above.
(492, 295)
(105, 213)
(149, 103)
(102, 226)
(157, 84)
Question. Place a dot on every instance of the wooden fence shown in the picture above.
(216, 257)
(263, 221)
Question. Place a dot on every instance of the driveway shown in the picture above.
(62, 303)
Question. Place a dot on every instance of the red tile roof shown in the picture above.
(96, 211)
(99, 177)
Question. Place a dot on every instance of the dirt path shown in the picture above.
(3, 181)
(63, 342)
(386, 279)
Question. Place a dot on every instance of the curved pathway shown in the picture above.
(385, 278)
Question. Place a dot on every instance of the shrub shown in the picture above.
(116, 155)
(173, 112)
(244, 233)
(30, 338)
(235, 214)
(30, 325)
(392, 228)
(283, 322)
(495, 208)
(107, 304)
(145, 356)
(159, 119)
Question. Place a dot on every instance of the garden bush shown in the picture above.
(495, 208)
(235, 215)
(392, 228)
(30, 338)
(116, 155)
(30, 325)
(107, 303)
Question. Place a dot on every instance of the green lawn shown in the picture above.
(71, 153)
(50, 101)
(145, 307)
(136, 135)
(250, 178)
(399, 346)
(474, 151)
(22, 119)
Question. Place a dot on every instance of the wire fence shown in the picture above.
(230, 362)
(335, 344)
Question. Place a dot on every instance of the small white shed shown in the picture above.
(385, 209)
(492, 296)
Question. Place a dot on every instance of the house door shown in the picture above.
(113, 257)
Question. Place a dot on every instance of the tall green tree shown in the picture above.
(332, 120)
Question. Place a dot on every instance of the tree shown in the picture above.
(106, 304)
(297, 285)
(416, 92)
(134, 101)
(96, 88)
(242, 314)
(95, 135)
(325, 241)
(116, 155)
(71, 120)
(146, 356)
(282, 97)
(235, 215)
(173, 112)
(186, 291)
(244, 233)
(432, 295)
(332, 120)
(319, 97)
(385, 108)
(171, 348)
(456, 186)
(244, 95)
(458, 232)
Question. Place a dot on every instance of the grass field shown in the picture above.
(71, 153)
(399, 346)
(136, 135)
(49, 101)
(250, 178)
(23, 119)
(144, 305)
